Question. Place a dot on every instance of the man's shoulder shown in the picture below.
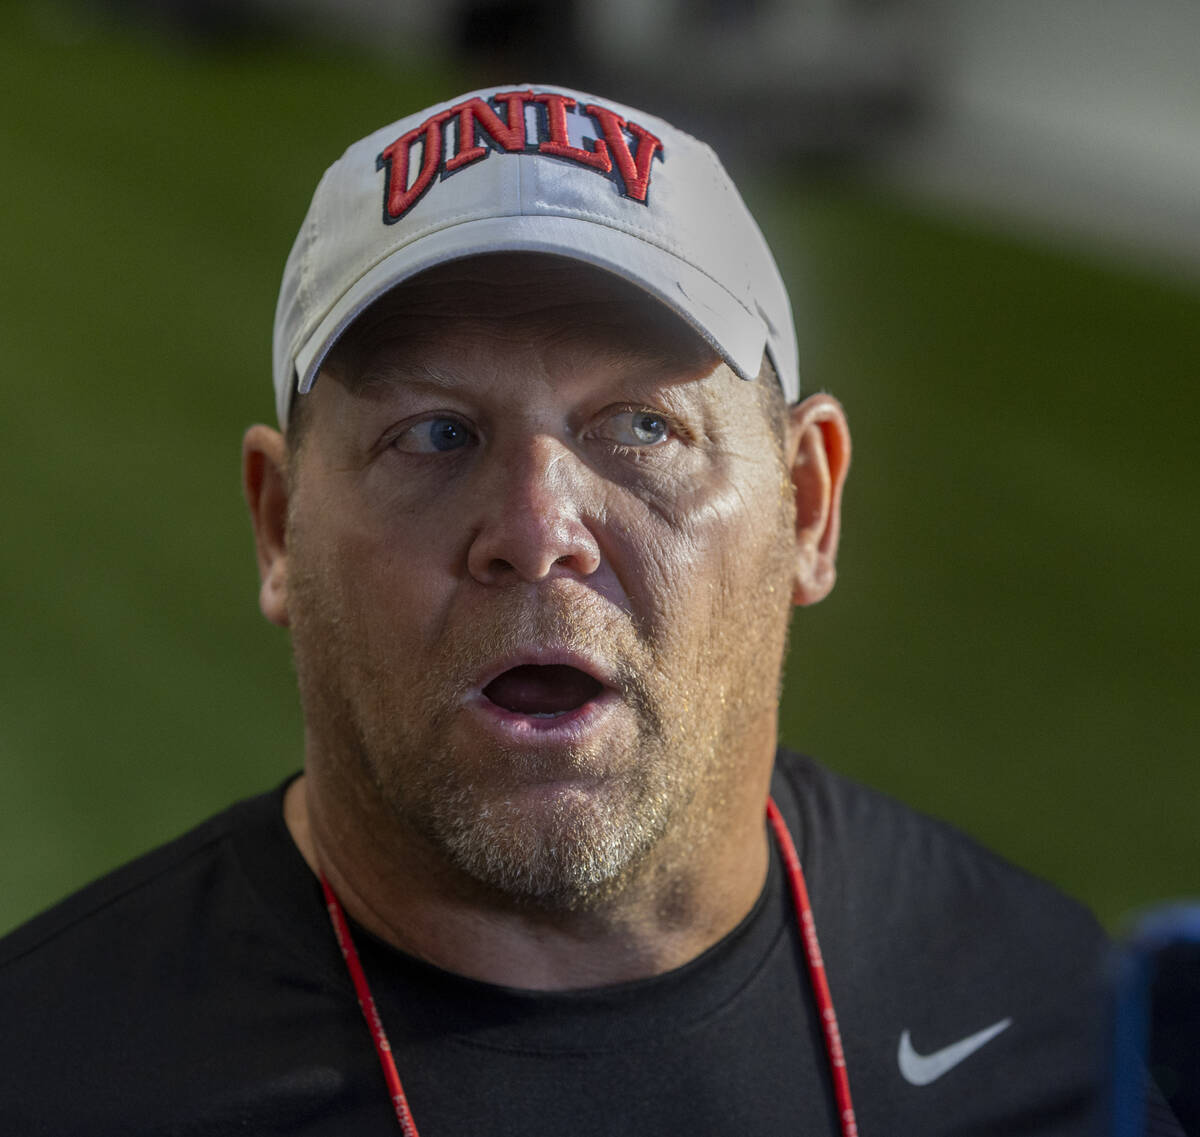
(171, 989)
(909, 903)
(931, 941)
(157, 881)
(901, 852)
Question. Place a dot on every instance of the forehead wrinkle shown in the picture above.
(372, 365)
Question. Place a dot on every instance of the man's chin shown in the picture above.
(559, 845)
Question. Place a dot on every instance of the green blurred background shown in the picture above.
(1013, 641)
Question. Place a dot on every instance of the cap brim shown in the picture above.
(735, 333)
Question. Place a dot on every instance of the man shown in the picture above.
(543, 496)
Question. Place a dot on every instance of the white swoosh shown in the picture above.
(921, 1069)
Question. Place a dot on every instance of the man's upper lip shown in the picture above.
(547, 656)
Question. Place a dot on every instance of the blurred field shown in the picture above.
(1013, 642)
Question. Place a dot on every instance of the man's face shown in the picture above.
(539, 557)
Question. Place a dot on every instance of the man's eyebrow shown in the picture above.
(380, 380)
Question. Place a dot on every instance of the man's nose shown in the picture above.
(531, 516)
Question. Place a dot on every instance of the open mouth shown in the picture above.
(543, 691)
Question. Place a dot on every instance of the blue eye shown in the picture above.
(446, 434)
(638, 428)
(434, 436)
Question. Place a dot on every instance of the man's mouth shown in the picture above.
(543, 691)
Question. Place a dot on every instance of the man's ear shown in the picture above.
(265, 482)
(819, 457)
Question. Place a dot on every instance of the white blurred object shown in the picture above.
(1079, 120)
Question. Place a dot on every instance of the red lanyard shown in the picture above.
(812, 951)
(816, 970)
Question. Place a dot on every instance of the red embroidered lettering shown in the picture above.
(635, 172)
(510, 136)
(479, 121)
(398, 196)
(556, 117)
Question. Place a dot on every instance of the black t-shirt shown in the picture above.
(199, 991)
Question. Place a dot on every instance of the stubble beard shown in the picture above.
(568, 850)
(574, 854)
(571, 850)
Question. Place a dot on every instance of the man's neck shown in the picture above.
(675, 910)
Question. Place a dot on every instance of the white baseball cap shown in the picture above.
(533, 169)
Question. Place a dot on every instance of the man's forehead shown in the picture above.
(527, 300)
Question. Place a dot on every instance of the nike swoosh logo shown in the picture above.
(921, 1069)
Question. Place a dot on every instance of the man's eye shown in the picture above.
(637, 428)
(434, 436)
